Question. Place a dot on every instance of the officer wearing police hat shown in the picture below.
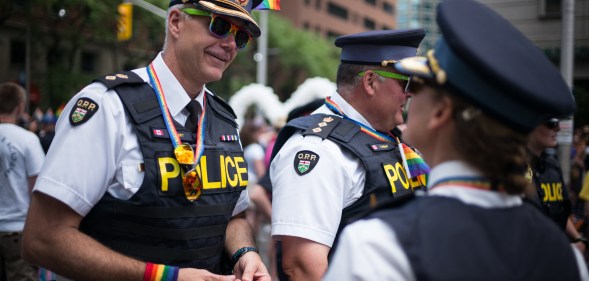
(474, 99)
(146, 176)
(343, 159)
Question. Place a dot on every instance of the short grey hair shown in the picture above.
(183, 15)
(347, 75)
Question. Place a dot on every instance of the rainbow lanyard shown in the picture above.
(367, 130)
(468, 182)
(200, 132)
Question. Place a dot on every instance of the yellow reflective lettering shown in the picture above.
(400, 170)
(240, 170)
(232, 179)
(546, 190)
(205, 175)
(558, 191)
(389, 170)
(166, 175)
(223, 171)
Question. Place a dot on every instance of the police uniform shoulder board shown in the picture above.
(113, 80)
(85, 107)
(317, 124)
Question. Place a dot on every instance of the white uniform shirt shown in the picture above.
(310, 206)
(21, 157)
(103, 154)
(370, 250)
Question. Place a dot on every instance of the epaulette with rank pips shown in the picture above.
(114, 80)
(323, 125)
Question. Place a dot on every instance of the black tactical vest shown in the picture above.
(158, 224)
(445, 239)
(553, 196)
(385, 176)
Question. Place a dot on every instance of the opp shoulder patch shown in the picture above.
(82, 111)
(305, 161)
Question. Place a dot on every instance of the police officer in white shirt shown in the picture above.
(343, 159)
(146, 177)
(474, 100)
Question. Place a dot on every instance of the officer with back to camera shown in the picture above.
(474, 100)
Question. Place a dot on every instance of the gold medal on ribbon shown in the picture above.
(192, 185)
(184, 154)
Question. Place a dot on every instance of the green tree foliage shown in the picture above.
(62, 29)
(294, 55)
(59, 31)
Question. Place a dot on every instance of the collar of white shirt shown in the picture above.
(176, 96)
(478, 197)
(346, 108)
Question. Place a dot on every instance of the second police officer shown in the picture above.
(344, 158)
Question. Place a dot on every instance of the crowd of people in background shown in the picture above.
(41, 123)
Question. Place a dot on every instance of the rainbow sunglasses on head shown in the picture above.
(221, 27)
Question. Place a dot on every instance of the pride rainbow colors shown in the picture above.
(269, 5)
(413, 163)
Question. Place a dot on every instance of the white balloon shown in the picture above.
(269, 105)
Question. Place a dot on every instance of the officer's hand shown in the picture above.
(193, 274)
(251, 268)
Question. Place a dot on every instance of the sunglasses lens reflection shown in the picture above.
(551, 124)
(221, 27)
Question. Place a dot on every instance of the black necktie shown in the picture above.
(194, 108)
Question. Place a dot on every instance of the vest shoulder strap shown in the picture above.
(113, 80)
(137, 96)
(220, 106)
(316, 124)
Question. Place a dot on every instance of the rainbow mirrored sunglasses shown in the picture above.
(392, 75)
(221, 27)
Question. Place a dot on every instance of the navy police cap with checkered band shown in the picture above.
(379, 47)
(487, 61)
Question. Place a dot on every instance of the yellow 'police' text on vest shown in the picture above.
(232, 171)
(552, 191)
(396, 174)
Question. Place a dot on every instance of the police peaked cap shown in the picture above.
(232, 8)
(379, 47)
(487, 61)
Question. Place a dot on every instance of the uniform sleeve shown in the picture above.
(242, 203)
(310, 205)
(35, 157)
(581, 264)
(82, 160)
(369, 250)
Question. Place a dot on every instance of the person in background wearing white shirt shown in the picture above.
(21, 158)
(474, 99)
